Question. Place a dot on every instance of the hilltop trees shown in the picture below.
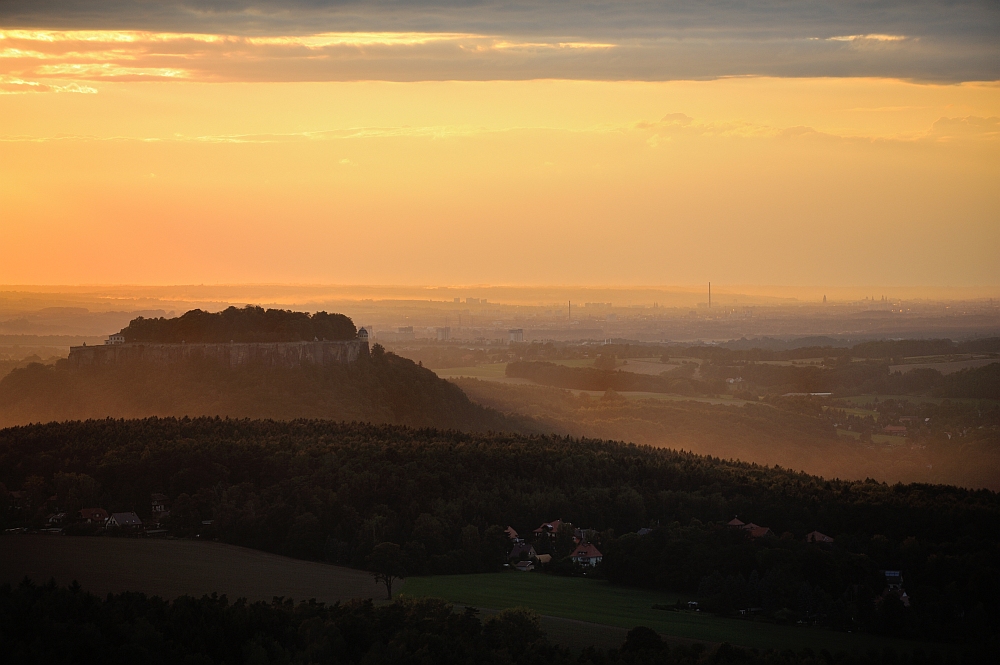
(249, 324)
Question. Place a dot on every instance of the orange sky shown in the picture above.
(128, 159)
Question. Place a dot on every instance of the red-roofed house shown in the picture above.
(511, 533)
(735, 522)
(756, 531)
(587, 555)
(817, 537)
(93, 515)
(549, 528)
(522, 550)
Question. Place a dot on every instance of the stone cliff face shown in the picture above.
(280, 354)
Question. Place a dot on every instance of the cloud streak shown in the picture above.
(315, 40)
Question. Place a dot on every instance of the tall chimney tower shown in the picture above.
(710, 294)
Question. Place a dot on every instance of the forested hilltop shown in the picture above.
(333, 492)
(383, 388)
(247, 324)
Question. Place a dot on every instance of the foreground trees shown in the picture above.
(440, 500)
(50, 624)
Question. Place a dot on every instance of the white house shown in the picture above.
(586, 555)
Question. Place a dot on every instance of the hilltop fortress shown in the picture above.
(251, 336)
(233, 354)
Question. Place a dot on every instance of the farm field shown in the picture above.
(943, 366)
(668, 397)
(171, 568)
(876, 438)
(491, 372)
(861, 400)
(495, 372)
(602, 603)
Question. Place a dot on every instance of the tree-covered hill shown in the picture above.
(333, 492)
(382, 389)
(249, 324)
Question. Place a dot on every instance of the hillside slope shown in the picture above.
(382, 389)
(322, 490)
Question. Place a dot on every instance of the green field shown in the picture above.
(171, 568)
(602, 603)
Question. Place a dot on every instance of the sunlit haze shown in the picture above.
(485, 153)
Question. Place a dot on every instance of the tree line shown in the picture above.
(247, 324)
(50, 624)
(334, 492)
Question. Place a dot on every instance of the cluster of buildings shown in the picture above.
(123, 522)
(524, 558)
(757, 531)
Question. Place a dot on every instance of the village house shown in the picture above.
(894, 581)
(524, 566)
(894, 430)
(512, 534)
(817, 537)
(18, 499)
(92, 515)
(548, 529)
(757, 531)
(586, 555)
(125, 521)
(160, 505)
(522, 550)
(753, 530)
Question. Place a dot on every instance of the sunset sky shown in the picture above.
(452, 142)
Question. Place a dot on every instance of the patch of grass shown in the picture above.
(599, 602)
(171, 568)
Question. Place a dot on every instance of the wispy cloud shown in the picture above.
(12, 85)
(301, 40)
(867, 38)
(672, 126)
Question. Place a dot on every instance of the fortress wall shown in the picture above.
(236, 354)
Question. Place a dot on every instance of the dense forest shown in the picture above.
(959, 445)
(249, 324)
(49, 624)
(333, 492)
(382, 389)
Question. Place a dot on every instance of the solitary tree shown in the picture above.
(386, 564)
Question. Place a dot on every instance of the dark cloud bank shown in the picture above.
(934, 40)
